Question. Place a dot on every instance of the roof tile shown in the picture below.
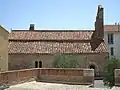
(112, 28)
(48, 35)
(25, 42)
(53, 47)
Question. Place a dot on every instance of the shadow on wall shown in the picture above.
(22, 66)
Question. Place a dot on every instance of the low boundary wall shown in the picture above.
(117, 77)
(17, 76)
(60, 75)
(71, 76)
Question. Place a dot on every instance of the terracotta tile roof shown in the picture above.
(49, 42)
(113, 28)
(42, 47)
(50, 35)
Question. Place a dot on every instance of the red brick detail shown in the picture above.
(18, 76)
(63, 72)
(13, 77)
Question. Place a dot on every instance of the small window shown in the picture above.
(40, 64)
(36, 64)
(112, 51)
(110, 38)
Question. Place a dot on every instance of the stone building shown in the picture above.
(35, 48)
(3, 49)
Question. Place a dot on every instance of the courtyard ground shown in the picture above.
(53, 86)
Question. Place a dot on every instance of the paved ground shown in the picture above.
(99, 84)
(52, 86)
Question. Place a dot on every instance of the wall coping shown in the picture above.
(67, 68)
(19, 70)
(45, 68)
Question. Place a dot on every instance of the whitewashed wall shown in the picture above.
(116, 43)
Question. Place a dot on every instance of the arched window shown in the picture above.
(40, 64)
(36, 64)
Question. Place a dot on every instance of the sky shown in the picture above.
(56, 14)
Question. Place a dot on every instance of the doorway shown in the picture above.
(92, 66)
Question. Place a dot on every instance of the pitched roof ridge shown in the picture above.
(53, 30)
(110, 25)
(36, 40)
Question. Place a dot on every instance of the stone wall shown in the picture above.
(74, 76)
(3, 49)
(117, 77)
(17, 76)
(26, 61)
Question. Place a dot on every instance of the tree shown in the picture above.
(65, 61)
(109, 77)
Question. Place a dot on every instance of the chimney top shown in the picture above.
(31, 27)
(99, 6)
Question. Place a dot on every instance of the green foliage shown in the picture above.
(64, 61)
(109, 78)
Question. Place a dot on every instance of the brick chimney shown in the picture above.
(31, 28)
(98, 34)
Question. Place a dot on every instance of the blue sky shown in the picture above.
(56, 14)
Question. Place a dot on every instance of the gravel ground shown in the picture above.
(53, 86)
